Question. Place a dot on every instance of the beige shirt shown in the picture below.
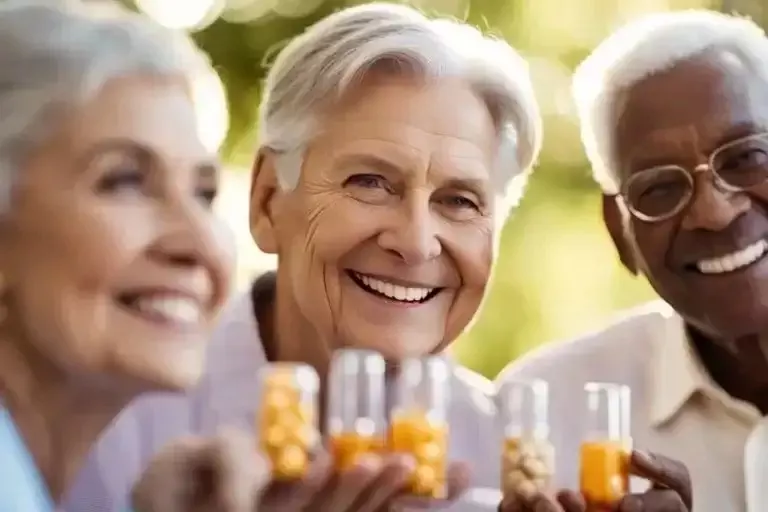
(677, 410)
(228, 397)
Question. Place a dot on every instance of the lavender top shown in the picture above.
(226, 397)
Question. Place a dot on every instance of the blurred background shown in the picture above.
(557, 275)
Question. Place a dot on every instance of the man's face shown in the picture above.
(708, 261)
(387, 241)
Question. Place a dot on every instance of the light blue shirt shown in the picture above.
(21, 485)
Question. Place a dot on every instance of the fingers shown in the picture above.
(390, 482)
(572, 501)
(664, 473)
(458, 481)
(239, 470)
(536, 502)
(294, 495)
(655, 500)
(345, 488)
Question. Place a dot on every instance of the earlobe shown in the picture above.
(264, 189)
(614, 219)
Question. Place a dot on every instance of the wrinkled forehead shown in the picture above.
(689, 110)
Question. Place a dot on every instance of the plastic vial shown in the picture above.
(607, 445)
(528, 458)
(356, 417)
(419, 422)
(288, 432)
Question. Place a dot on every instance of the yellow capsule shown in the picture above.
(291, 463)
(428, 452)
(275, 436)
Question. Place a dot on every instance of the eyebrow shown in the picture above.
(208, 168)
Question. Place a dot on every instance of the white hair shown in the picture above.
(336, 53)
(651, 45)
(59, 54)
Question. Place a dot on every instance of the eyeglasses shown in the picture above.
(660, 193)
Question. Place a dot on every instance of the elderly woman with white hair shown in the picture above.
(392, 150)
(674, 117)
(113, 266)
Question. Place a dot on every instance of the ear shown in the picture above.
(615, 218)
(264, 190)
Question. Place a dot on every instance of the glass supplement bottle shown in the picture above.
(287, 422)
(607, 445)
(528, 458)
(356, 419)
(419, 423)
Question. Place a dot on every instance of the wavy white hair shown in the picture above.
(57, 54)
(642, 48)
(335, 54)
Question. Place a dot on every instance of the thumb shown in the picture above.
(165, 485)
(241, 471)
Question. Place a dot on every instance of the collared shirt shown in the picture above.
(21, 485)
(677, 410)
(228, 397)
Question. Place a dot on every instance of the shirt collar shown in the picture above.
(677, 375)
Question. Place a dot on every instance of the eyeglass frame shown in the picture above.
(704, 167)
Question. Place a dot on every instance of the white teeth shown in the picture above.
(394, 291)
(175, 309)
(735, 260)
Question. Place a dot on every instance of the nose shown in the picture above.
(712, 208)
(412, 237)
(195, 241)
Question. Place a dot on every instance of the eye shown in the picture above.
(367, 181)
(124, 178)
(207, 195)
(457, 201)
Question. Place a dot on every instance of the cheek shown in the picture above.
(473, 253)
(67, 268)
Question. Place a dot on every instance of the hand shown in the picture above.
(670, 491)
(458, 479)
(538, 501)
(221, 474)
(375, 483)
(366, 487)
(670, 485)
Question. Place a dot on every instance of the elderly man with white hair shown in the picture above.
(392, 149)
(674, 118)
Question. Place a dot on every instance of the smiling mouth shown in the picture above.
(391, 291)
(168, 309)
(735, 261)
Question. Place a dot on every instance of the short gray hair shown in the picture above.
(335, 53)
(643, 48)
(53, 54)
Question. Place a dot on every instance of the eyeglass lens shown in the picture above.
(660, 191)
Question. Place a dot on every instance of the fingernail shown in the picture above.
(643, 456)
(407, 462)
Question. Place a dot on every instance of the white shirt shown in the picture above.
(677, 410)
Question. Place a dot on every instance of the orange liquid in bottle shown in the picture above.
(427, 443)
(604, 473)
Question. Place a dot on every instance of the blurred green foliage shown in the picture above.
(557, 275)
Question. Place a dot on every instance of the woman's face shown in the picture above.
(387, 241)
(115, 266)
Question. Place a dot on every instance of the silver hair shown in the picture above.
(333, 55)
(640, 49)
(59, 54)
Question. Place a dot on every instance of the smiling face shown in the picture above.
(115, 265)
(386, 243)
(708, 261)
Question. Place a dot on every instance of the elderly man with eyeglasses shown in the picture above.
(674, 117)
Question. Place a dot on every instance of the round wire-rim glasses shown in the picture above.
(744, 175)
